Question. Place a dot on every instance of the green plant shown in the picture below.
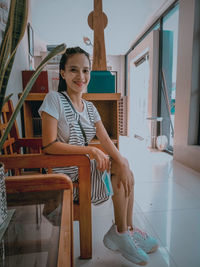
(15, 29)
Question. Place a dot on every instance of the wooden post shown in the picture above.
(97, 20)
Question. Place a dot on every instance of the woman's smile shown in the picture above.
(80, 84)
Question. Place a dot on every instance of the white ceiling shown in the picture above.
(58, 21)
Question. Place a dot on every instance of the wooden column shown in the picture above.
(97, 20)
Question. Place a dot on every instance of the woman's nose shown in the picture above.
(81, 75)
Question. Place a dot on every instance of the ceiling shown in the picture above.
(58, 21)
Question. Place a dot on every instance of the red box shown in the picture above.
(40, 85)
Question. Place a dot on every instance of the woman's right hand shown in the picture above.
(103, 160)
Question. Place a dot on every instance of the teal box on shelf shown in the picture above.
(101, 82)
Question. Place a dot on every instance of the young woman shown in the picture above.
(69, 123)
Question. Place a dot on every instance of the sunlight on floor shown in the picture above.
(167, 206)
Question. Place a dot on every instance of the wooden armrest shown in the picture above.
(21, 161)
(37, 183)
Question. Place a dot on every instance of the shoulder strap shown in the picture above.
(80, 125)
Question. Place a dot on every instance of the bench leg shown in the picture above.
(85, 218)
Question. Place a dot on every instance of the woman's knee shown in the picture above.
(116, 171)
(115, 166)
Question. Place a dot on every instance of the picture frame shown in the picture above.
(30, 40)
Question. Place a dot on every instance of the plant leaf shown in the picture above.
(57, 50)
(15, 29)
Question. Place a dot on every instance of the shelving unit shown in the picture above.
(106, 104)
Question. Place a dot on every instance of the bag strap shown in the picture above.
(79, 122)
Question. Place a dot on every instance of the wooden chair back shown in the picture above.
(14, 143)
(14, 133)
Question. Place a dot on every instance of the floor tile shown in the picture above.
(164, 196)
(179, 233)
(187, 178)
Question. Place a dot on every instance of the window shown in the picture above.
(169, 42)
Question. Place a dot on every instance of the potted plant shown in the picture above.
(14, 32)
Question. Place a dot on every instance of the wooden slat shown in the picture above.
(8, 142)
(28, 124)
(14, 130)
(76, 213)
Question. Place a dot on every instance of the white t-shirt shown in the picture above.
(52, 105)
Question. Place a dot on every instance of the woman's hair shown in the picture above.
(62, 86)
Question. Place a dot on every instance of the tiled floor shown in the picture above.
(167, 205)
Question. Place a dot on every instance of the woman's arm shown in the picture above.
(49, 134)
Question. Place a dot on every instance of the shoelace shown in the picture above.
(143, 234)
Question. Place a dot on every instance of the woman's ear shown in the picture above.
(62, 74)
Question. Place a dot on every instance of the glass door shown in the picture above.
(139, 98)
(168, 73)
(143, 89)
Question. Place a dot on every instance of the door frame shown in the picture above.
(150, 45)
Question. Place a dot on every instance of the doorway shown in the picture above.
(143, 89)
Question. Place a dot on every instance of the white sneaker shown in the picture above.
(123, 243)
(148, 243)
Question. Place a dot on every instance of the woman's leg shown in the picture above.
(120, 203)
(118, 238)
(123, 206)
(130, 209)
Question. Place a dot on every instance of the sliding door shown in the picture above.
(143, 89)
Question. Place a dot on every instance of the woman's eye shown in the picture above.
(86, 71)
(73, 70)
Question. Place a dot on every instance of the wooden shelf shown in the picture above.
(104, 96)
(86, 96)
(34, 96)
(106, 104)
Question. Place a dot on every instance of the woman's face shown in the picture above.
(77, 73)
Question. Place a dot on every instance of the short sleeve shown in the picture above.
(51, 105)
(97, 117)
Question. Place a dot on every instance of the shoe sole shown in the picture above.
(152, 250)
(110, 245)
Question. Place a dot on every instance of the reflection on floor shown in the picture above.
(167, 205)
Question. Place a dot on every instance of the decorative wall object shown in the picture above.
(102, 81)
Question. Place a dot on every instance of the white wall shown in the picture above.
(66, 21)
(188, 92)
